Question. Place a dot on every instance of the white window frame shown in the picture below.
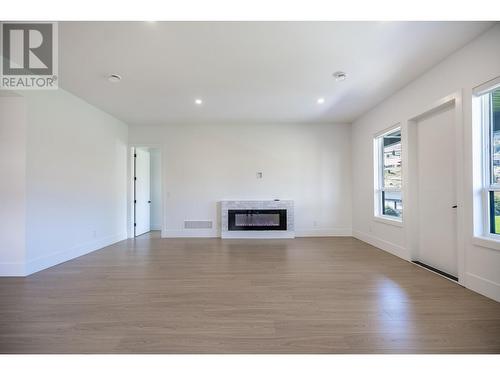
(379, 188)
(483, 95)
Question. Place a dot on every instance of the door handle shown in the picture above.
(455, 206)
(149, 201)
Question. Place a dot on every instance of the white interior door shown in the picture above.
(437, 196)
(142, 196)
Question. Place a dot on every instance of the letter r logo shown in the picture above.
(27, 48)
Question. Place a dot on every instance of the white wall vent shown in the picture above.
(197, 224)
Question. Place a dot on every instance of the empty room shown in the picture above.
(263, 187)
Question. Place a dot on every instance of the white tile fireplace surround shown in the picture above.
(231, 208)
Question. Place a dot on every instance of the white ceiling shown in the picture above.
(249, 72)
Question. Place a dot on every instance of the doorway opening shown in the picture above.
(146, 208)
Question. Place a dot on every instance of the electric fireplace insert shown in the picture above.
(262, 219)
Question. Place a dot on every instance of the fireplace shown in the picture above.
(257, 220)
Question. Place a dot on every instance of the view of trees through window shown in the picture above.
(495, 160)
(392, 204)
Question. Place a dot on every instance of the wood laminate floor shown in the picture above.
(308, 295)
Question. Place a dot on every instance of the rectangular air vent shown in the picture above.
(197, 224)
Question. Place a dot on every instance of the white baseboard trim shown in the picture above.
(190, 233)
(12, 269)
(213, 233)
(382, 244)
(41, 263)
(473, 282)
(324, 232)
(483, 286)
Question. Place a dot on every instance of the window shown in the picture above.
(388, 197)
(490, 117)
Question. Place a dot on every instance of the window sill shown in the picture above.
(386, 220)
(488, 242)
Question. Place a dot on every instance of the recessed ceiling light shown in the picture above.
(114, 78)
(321, 100)
(198, 101)
(339, 76)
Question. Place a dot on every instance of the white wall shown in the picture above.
(155, 163)
(204, 164)
(470, 66)
(76, 174)
(12, 185)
